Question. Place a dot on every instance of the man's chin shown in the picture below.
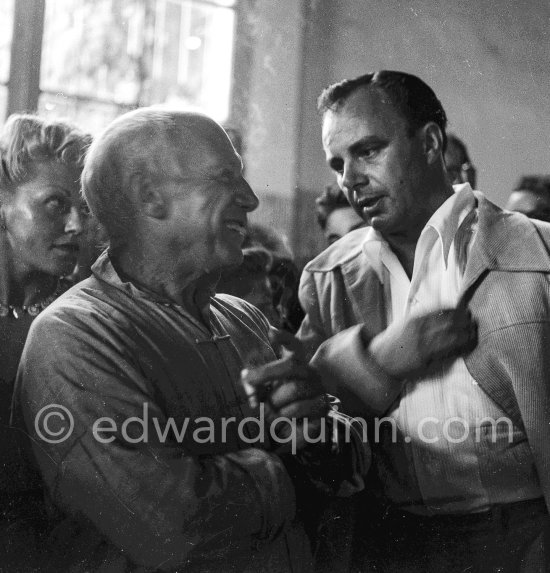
(378, 223)
(230, 261)
(61, 269)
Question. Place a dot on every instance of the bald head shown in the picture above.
(146, 145)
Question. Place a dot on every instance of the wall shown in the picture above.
(487, 60)
(271, 126)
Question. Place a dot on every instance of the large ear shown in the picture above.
(432, 138)
(150, 199)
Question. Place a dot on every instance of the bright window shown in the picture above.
(103, 57)
(193, 55)
(6, 27)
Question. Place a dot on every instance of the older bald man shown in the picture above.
(153, 454)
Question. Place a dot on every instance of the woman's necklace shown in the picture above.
(32, 309)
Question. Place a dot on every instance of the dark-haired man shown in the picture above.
(531, 197)
(437, 320)
(458, 163)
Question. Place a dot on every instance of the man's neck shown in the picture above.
(404, 248)
(404, 244)
(151, 274)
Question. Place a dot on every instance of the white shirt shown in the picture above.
(445, 460)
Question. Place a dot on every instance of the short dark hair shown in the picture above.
(413, 98)
(452, 139)
(256, 263)
(331, 199)
(537, 184)
(272, 241)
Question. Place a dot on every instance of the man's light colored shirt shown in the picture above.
(453, 446)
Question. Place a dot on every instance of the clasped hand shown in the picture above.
(290, 389)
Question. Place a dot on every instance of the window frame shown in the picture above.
(23, 84)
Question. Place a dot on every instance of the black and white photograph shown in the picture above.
(274, 286)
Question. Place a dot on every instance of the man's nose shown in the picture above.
(246, 198)
(353, 175)
(74, 224)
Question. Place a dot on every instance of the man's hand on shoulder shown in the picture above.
(419, 344)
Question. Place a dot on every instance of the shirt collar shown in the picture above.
(446, 221)
(104, 270)
(373, 247)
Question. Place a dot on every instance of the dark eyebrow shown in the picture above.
(365, 141)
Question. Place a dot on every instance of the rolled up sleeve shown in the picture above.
(349, 371)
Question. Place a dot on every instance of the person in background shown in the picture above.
(163, 465)
(460, 168)
(93, 242)
(531, 197)
(250, 281)
(42, 218)
(434, 325)
(335, 215)
(270, 239)
(284, 275)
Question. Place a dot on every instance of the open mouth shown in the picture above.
(370, 204)
(237, 227)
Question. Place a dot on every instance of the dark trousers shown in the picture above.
(511, 538)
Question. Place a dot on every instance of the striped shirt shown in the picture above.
(453, 450)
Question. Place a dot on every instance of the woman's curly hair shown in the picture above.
(26, 139)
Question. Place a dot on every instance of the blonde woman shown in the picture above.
(41, 221)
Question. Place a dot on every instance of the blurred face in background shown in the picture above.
(250, 279)
(459, 167)
(340, 222)
(534, 205)
(43, 219)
